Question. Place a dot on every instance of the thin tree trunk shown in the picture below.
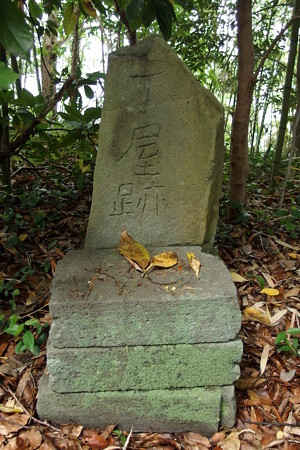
(48, 66)
(4, 134)
(297, 128)
(240, 122)
(286, 97)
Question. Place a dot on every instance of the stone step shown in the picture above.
(144, 367)
(99, 300)
(201, 409)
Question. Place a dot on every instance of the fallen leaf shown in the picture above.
(291, 255)
(11, 424)
(257, 315)
(11, 407)
(287, 376)
(16, 443)
(264, 358)
(166, 260)
(33, 436)
(270, 291)
(232, 442)
(96, 441)
(194, 263)
(196, 439)
(236, 278)
(278, 316)
(217, 437)
(133, 250)
(125, 238)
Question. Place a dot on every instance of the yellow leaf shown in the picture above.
(270, 291)
(133, 250)
(294, 255)
(11, 407)
(22, 237)
(237, 278)
(194, 263)
(166, 259)
(257, 315)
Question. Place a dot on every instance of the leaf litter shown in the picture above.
(268, 391)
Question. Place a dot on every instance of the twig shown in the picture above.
(40, 422)
(128, 439)
(272, 45)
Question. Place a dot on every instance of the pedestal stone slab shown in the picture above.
(160, 159)
(180, 410)
(99, 300)
(144, 367)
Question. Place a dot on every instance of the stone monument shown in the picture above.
(158, 352)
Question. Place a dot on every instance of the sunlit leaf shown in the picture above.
(257, 315)
(194, 263)
(69, 18)
(270, 291)
(135, 251)
(166, 259)
(236, 278)
(88, 8)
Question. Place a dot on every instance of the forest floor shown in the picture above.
(45, 217)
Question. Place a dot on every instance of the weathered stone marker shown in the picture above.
(159, 352)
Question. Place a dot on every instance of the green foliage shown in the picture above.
(287, 343)
(15, 34)
(29, 334)
(7, 76)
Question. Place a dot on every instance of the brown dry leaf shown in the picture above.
(33, 436)
(125, 238)
(12, 423)
(194, 263)
(135, 265)
(96, 441)
(264, 358)
(72, 429)
(166, 260)
(11, 366)
(23, 383)
(278, 316)
(147, 440)
(17, 443)
(232, 442)
(287, 376)
(217, 437)
(257, 315)
(195, 439)
(133, 250)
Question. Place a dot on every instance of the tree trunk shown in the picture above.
(240, 122)
(297, 128)
(48, 66)
(286, 97)
(4, 134)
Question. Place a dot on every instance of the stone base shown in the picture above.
(159, 352)
(198, 409)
